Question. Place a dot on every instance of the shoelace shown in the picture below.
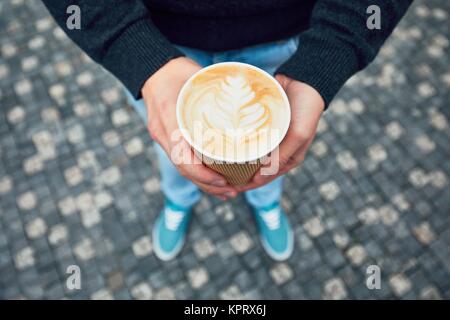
(272, 218)
(173, 218)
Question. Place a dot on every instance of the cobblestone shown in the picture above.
(198, 277)
(142, 247)
(241, 242)
(281, 273)
(79, 183)
(400, 284)
(142, 291)
(335, 290)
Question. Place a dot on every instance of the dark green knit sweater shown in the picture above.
(133, 38)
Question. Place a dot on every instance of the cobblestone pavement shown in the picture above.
(79, 182)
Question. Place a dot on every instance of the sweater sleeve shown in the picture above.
(338, 42)
(119, 35)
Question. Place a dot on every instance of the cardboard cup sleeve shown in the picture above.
(235, 173)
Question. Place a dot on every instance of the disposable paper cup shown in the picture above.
(236, 171)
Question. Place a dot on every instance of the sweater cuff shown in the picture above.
(138, 53)
(321, 61)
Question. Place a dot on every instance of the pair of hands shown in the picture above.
(160, 94)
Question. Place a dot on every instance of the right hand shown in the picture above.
(160, 93)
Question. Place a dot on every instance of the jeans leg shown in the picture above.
(175, 187)
(266, 195)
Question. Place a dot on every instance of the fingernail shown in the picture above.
(230, 194)
(219, 183)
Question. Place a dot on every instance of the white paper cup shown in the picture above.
(236, 171)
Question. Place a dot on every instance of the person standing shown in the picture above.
(153, 46)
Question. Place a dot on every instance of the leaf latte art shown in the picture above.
(233, 111)
(233, 107)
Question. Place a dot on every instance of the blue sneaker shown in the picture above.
(169, 231)
(275, 232)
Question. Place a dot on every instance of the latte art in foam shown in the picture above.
(233, 108)
(234, 112)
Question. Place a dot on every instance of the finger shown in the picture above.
(225, 191)
(192, 168)
(305, 114)
(256, 184)
(217, 191)
(283, 80)
(182, 155)
(278, 162)
(260, 179)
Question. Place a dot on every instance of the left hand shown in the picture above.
(306, 108)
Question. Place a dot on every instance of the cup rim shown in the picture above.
(185, 132)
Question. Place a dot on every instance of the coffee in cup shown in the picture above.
(233, 114)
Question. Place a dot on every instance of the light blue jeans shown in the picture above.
(268, 56)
